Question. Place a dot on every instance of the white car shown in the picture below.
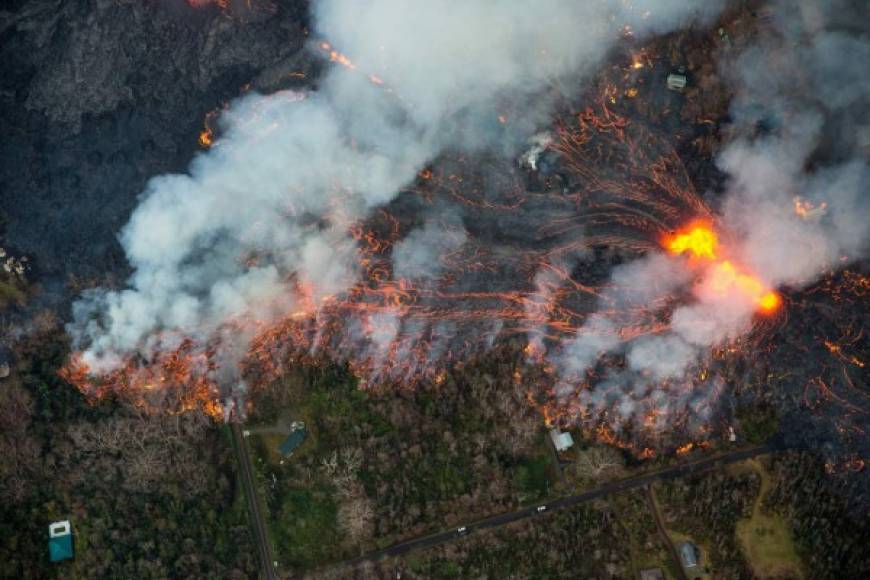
(462, 531)
(541, 509)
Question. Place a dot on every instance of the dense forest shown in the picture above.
(382, 467)
(828, 515)
(586, 542)
(148, 496)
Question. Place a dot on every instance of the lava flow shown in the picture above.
(700, 242)
(527, 267)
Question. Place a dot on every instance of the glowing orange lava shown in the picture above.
(701, 242)
(685, 448)
(724, 277)
(205, 138)
(807, 210)
(341, 59)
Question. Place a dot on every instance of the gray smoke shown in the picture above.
(420, 255)
(808, 89)
(641, 285)
(275, 196)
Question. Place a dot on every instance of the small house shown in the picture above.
(60, 543)
(689, 554)
(677, 82)
(5, 362)
(294, 439)
(561, 440)
(652, 574)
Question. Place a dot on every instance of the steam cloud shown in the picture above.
(275, 196)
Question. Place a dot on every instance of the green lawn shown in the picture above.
(307, 531)
(265, 446)
(9, 294)
(532, 478)
(766, 538)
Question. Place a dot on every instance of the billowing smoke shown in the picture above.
(795, 207)
(420, 255)
(806, 93)
(267, 210)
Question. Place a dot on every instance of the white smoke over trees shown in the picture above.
(274, 198)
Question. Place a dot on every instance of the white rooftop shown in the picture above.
(58, 529)
(562, 440)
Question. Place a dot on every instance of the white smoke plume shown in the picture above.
(809, 86)
(796, 205)
(273, 199)
(420, 255)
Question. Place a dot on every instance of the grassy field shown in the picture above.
(10, 294)
(534, 475)
(765, 538)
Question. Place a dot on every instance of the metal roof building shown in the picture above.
(293, 440)
(562, 440)
(689, 554)
(60, 544)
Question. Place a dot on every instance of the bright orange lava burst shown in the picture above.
(701, 242)
(725, 277)
(685, 448)
(205, 138)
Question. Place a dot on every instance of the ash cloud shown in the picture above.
(274, 198)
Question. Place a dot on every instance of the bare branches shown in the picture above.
(151, 448)
(599, 463)
(356, 514)
(341, 469)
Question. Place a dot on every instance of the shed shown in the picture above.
(677, 82)
(652, 574)
(60, 544)
(689, 554)
(293, 440)
(5, 362)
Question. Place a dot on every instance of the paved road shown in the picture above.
(247, 476)
(698, 466)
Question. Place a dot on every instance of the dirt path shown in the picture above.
(663, 533)
(766, 538)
